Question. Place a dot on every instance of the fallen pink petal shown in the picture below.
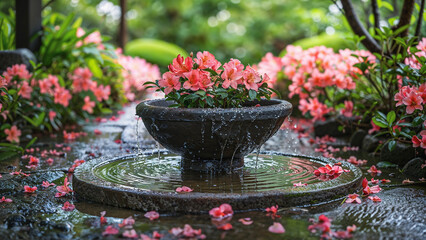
(152, 215)
(276, 228)
(245, 221)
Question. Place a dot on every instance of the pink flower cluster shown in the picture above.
(412, 61)
(323, 225)
(136, 72)
(314, 69)
(411, 97)
(94, 37)
(197, 76)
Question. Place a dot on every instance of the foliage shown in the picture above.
(227, 28)
(200, 83)
(400, 87)
(7, 27)
(154, 51)
(77, 76)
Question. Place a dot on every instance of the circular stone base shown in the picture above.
(148, 182)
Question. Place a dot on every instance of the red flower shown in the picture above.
(97, 132)
(385, 181)
(223, 211)
(103, 220)
(225, 227)
(29, 189)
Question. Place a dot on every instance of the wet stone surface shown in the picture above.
(400, 215)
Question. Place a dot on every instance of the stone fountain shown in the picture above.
(211, 151)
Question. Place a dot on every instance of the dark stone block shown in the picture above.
(15, 220)
(370, 143)
(331, 126)
(401, 154)
(18, 56)
(414, 168)
(357, 138)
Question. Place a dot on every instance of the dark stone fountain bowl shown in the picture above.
(213, 138)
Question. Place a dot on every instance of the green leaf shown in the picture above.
(391, 145)
(252, 95)
(7, 154)
(94, 67)
(391, 118)
(31, 142)
(201, 93)
(379, 122)
(11, 147)
(387, 5)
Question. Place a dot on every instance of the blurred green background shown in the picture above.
(244, 29)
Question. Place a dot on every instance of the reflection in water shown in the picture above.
(269, 172)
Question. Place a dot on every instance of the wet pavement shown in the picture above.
(400, 214)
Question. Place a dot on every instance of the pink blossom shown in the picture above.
(46, 184)
(272, 65)
(206, 60)
(63, 189)
(374, 129)
(5, 200)
(52, 115)
(88, 105)
(181, 66)
(127, 222)
(101, 92)
(46, 84)
(187, 232)
(276, 228)
(347, 111)
(413, 101)
(197, 79)
(374, 181)
(353, 198)
(170, 82)
(232, 74)
(103, 220)
(25, 90)
(251, 79)
(373, 170)
(62, 96)
(152, 215)
(19, 70)
(300, 184)
(322, 225)
(110, 230)
(184, 189)
(223, 211)
(375, 189)
(407, 181)
(13, 134)
(81, 80)
(130, 234)
(385, 181)
(375, 199)
(97, 132)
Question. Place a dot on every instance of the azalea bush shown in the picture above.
(403, 118)
(77, 76)
(321, 79)
(199, 82)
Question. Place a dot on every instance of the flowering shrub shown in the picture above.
(200, 83)
(80, 77)
(408, 120)
(319, 77)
